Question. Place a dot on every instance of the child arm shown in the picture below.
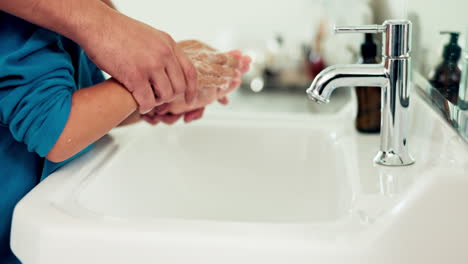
(95, 111)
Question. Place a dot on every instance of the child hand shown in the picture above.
(218, 74)
(154, 117)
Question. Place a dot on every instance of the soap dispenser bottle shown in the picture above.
(463, 90)
(368, 98)
(447, 76)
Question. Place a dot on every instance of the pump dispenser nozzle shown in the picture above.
(368, 47)
(452, 52)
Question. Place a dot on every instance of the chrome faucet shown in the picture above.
(392, 75)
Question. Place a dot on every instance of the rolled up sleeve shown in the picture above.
(36, 86)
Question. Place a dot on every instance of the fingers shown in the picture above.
(235, 53)
(193, 115)
(176, 77)
(145, 99)
(156, 117)
(218, 74)
(153, 120)
(161, 109)
(169, 118)
(191, 46)
(218, 71)
(190, 74)
(244, 61)
(162, 87)
(223, 100)
(218, 58)
(153, 116)
(245, 64)
(187, 45)
(210, 81)
(235, 57)
(234, 84)
(233, 62)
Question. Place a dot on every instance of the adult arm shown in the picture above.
(69, 18)
(147, 61)
(109, 3)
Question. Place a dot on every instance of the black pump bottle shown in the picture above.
(368, 98)
(447, 75)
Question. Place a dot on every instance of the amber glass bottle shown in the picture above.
(368, 98)
(447, 75)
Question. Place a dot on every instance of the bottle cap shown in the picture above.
(368, 47)
(452, 51)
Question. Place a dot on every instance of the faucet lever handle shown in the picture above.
(397, 40)
(361, 29)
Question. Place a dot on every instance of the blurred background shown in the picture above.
(292, 40)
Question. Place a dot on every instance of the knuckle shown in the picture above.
(165, 52)
(165, 95)
(191, 73)
(168, 97)
(131, 80)
(157, 66)
(139, 97)
(144, 97)
(179, 89)
(169, 38)
(145, 107)
(166, 35)
(147, 103)
(180, 85)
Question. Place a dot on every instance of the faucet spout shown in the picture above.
(393, 76)
(345, 76)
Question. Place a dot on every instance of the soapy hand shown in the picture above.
(218, 74)
(153, 68)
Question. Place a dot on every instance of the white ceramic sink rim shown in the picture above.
(365, 233)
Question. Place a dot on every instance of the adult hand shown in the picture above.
(145, 60)
(219, 74)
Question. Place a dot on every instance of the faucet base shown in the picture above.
(393, 159)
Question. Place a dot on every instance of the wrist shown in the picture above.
(88, 26)
(127, 100)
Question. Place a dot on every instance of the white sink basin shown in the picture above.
(224, 171)
(252, 189)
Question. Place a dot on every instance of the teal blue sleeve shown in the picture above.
(36, 86)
